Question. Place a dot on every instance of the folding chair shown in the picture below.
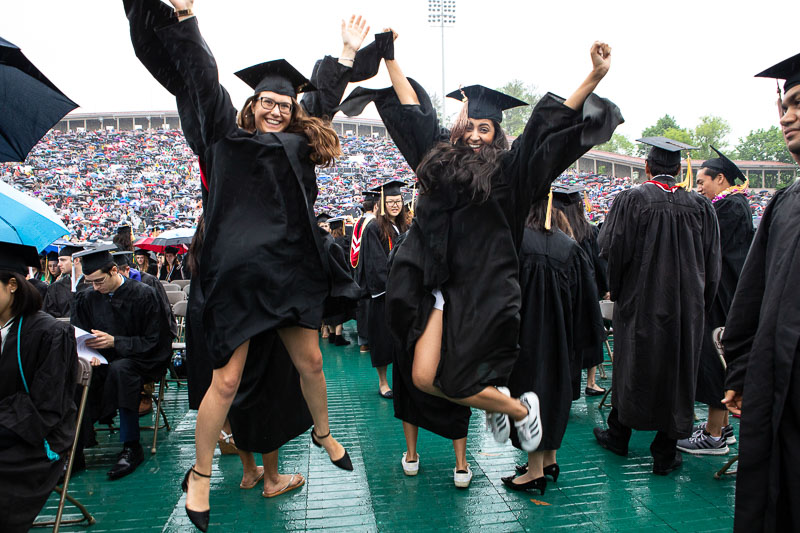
(607, 310)
(186, 289)
(716, 335)
(175, 297)
(179, 309)
(84, 379)
(182, 282)
(172, 287)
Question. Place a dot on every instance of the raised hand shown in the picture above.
(395, 35)
(601, 58)
(353, 34)
(181, 4)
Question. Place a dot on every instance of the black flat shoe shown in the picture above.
(594, 392)
(388, 394)
(539, 484)
(341, 341)
(605, 441)
(552, 471)
(663, 470)
(343, 462)
(128, 460)
(198, 518)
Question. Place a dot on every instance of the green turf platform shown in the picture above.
(597, 491)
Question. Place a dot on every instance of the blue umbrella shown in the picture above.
(27, 220)
(31, 104)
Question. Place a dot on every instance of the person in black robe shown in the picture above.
(125, 317)
(461, 249)
(369, 207)
(171, 269)
(558, 319)
(338, 310)
(570, 201)
(377, 241)
(662, 246)
(716, 180)
(762, 349)
(40, 286)
(38, 363)
(61, 294)
(243, 169)
(143, 264)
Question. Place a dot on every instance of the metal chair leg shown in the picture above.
(603, 401)
(724, 470)
(158, 411)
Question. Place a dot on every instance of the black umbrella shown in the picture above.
(31, 104)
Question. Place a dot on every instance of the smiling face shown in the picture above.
(479, 132)
(275, 119)
(790, 121)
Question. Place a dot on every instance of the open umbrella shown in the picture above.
(31, 104)
(27, 220)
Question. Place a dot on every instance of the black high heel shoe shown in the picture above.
(552, 471)
(521, 469)
(343, 462)
(539, 484)
(199, 518)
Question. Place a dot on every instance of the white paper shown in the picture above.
(84, 352)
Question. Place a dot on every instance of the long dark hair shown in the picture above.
(196, 246)
(472, 172)
(27, 299)
(581, 228)
(385, 224)
(537, 217)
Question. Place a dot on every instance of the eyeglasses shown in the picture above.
(99, 282)
(394, 202)
(268, 104)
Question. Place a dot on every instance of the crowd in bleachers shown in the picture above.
(97, 180)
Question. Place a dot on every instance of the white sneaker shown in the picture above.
(462, 479)
(410, 469)
(498, 422)
(529, 429)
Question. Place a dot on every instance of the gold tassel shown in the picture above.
(383, 205)
(587, 204)
(413, 198)
(687, 183)
(460, 125)
(780, 100)
(547, 219)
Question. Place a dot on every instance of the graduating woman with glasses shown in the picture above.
(453, 293)
(258, 196)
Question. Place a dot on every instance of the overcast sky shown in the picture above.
(685, 58)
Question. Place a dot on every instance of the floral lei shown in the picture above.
(733, 189)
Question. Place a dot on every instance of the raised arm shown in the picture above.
(601, 62)
(402, 87)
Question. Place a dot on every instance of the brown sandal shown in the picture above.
(289, 486)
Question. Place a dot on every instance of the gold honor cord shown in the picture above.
(547, 219)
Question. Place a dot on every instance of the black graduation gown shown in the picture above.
(49, 360)
(375, 256)
(735, 236)
(362, 311)
(663, 268)
(479, 283)
(559, 318)
(762, 348)
(593, 355)
(340, 305)
(58, 301)
(258, 212)
(128, 316)
(40, 286)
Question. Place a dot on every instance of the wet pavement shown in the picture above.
(596, 490)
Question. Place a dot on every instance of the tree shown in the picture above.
(667, 127)
(618, 144)
(514, 120)
(712, 130)
(764, 145)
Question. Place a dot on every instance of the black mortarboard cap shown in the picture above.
(323, 217)
(96, 258)
(373, 195)
(139, 251)
(122, 258)
(17, 257)
(123, 228)
(277, 76)
(52, 256)
(485, 102)
(336, 222)
(390, 188)
(171, 250)
(665, 152)
(725, 166)
(68, 250)
(788, 69)
(564, 195)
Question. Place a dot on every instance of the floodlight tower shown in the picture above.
(442, 13)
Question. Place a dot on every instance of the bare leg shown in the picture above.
(210, 418)
(426, 362)
(535, 465)
(273, 481)
(590, 378)
(250, 470)
(716, 419)
(549, 458)
(303, 347)
(339, 329)
(460, 449)
(383, 383)
(411, 432)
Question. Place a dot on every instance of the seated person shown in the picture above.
(119, 312)
(37, 382)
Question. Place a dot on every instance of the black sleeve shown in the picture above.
(617, 239)
(150, 330)
(374, 259)
(712, 254)
(587, 320)
(330, 78)
(555, 137)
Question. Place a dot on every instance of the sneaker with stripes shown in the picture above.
(702, 443)
(529, 429)
(727, 432)
(498, 422)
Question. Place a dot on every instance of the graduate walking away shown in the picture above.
(260, 188)
(453, 295)
(662, 246)
(762, 348)
(38, 362)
